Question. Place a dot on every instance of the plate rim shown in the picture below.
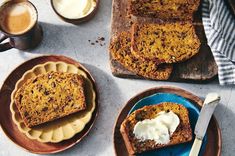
(159, 93)
(197, 102)
(95, 113)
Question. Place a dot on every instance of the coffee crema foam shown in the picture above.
(17, 18)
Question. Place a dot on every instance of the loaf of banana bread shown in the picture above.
(182, 133)
(50, 96)
(164, 9)
(120, 50)
(165, 42)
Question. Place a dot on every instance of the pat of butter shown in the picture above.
(74, 9)
(158, 129)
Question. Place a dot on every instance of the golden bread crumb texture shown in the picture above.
(120, 49)
(166, 42)
(50, 96)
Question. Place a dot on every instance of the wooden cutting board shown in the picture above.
(201, 67)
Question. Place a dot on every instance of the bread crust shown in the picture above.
(182, 134)
(43, 98)
(129, 147)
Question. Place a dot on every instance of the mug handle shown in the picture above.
(4, 46)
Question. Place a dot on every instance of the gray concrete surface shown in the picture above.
(70, 40)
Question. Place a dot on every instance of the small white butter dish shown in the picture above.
(75, 11)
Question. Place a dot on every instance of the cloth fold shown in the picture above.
(219, 25)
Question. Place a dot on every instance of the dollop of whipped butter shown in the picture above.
(73, 9)
(158, 129)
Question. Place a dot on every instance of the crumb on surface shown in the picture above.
(99, 40)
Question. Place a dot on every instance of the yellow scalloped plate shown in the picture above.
(64, 128)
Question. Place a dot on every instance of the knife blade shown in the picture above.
(209, 105)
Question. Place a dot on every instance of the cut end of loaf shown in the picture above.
(165, 10)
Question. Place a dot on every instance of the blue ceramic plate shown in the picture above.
(176, 150)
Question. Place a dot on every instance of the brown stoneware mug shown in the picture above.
(19, 24)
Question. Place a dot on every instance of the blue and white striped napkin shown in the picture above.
(219, 25)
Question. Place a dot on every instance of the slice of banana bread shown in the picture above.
(164, 9)
(50, 96)
(166, 42)
(182, 134)
(120, 49)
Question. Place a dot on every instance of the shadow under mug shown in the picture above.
(27, 40)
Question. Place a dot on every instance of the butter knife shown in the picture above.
(209, 105)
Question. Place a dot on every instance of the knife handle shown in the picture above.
(196, 147)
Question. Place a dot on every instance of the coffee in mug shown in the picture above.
(18, 18)
(18, 21)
